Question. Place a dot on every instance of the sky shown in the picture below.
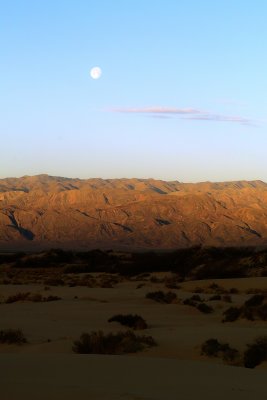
(182, 94)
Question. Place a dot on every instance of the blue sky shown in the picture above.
(182, 94)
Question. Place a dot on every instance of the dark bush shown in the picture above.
(32, 297)
(227, 298)
(196, 297)
(51, 298)
(119, 343)
(254, 301)
(54, 282)
(18, 297)
(262, 312)
(204, 308)
(215, 297)
(213, 348)
(11, 336)
(190, 302)
(233, 291)
(256, 353)
(162, 297)
(130, 320)
(231, 314)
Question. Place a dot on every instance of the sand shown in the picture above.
(46, 367)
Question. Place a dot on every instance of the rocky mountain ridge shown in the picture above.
(49, 211)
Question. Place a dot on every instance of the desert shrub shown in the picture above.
(213, 348)
(11, 336)
(17, 297)
(196, 297)
(204, 308)
(172, 285)
(227, 298)
(230, 355)
(262, 312)
(119, 343)
(254, 301)
(162, 297)
(140, 285)
(233, 291)
(54, 282)
(190, 302)
(256, 353)
(196, 301)
(33, 297)
(231, 314)
(51, 298)
(130, 320)
(198, 290)
(215, 297)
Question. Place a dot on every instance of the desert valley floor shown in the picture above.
(46, 366)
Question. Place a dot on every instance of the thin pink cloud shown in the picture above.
(185, 113)
(157, 110)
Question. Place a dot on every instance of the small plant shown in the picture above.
(119, 343)
(204, 308)
(194, 301)
(231, 314)
(11, 336)
(213, 348)
(196, 297)
(54, 282)
(216, 297)
(255, 301)
(162, 297)
(256, 353)
(227, 298)
(51, 298)
(130, 320)
(233, 291)
(18, 297)
(32, 297)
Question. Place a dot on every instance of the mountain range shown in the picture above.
(45, 211)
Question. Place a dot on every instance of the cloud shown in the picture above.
(157, 110)
(222, 118)
(185, 114)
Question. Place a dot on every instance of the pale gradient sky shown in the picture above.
(182, 94)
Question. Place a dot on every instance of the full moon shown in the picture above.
(96, 72)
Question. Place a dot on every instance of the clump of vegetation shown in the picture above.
(252, 309)
(196, 297)
(12, 336)
(119, 343)
(255, 301)
(197, 302)
(256, 353)
(231, 314)
(162, 297)
(54, 282)
(213, 348)
(130, 320)
(172, 282)
(227, 298)
(205, 308)
(215, 297)
(32, 297)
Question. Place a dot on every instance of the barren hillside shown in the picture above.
(45, 211)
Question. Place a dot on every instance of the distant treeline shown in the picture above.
(192, 263)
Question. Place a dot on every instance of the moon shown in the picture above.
(96, 72)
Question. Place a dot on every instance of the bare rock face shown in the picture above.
(45, 211)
